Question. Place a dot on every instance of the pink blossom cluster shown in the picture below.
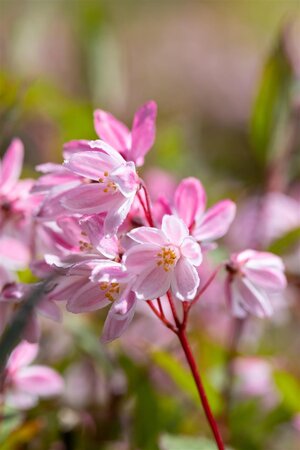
(93, 223)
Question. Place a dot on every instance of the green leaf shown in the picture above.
(272, 107)
(286, 242)
(289, 387)
(169, 442)
(184, 380)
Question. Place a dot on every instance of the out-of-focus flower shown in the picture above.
(16, 208)
(112, 187)
(135, 144)
(254, 379)
(190, 203)
(23, 385)
(164, 258)
(252, 277)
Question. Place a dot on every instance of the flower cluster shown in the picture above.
(92, 222)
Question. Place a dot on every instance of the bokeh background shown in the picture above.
(225, 75)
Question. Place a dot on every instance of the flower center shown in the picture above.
(109, 186)
(166, 258)
(112, 290)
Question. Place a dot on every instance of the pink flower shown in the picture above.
(252, 277)
(190, 203)
(134, 144)
(255, 379)
(24, 384)
(164, 258)
(113, 185)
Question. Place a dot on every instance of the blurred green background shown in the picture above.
(225, 75)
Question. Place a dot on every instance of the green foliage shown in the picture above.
(184, 380)
(169, 442)
(285, 243)
(289, 388)
(272, 107)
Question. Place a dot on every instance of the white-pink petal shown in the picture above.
(185, 280)
(39, 380)
(147, 235)
(215, 222)
(191, 249)
(152, 283)
(190, 200)
(111, 130)
(174, 229)
(11, 166)
(22, 355)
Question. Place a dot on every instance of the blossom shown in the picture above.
(108, 283)
(24, 384)
(252, 277)
(164, 258)
(112, 187)
(190, 203)
(16, 207)
(134, 144)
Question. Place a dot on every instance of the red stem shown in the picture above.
(196, 375)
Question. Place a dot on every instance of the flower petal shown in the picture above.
(190, 200)
(143, 132)
(152, 283)
(116, 215)
(253, 299)
(88, 298)
(185, 280)
(191, 250)
(119, 317)
(268, 278)
(22, 355)
(141, 257)
(11, 165)
(174, 229)
(111, 130)
(88, 199)
(215, 222)
(90, 164)
(39, 380)
(147, 235)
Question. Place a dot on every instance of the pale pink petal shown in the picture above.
(49, 309)
(152, 283)
(147, 235)
(190, 200)
(111, 130)
(90, 164)
(88, 298)
(260, 260)
(174, 229)
(39, 380)
(268, 278)
(215, 222)
(20, 400)
(101, 147)
(191, 249)
(14, 254)
(66, 288)
(119, 318)
(125, 178)
(185, 280)
(116, 215)
(143, 132)
(139, 258)
(88, 199)
(21, 356)
(11, 165)
(93, 227)
(254, 300)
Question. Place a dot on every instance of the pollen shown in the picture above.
(110, 290)
(166, 258)
(109, 186)
(84, 246)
